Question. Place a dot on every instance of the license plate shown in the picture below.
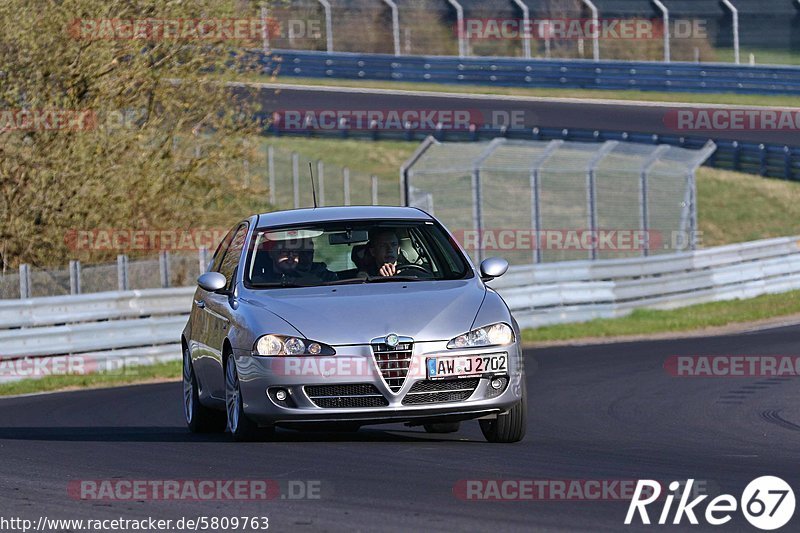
(466, 365)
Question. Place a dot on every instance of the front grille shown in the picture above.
(345, 396)
(449, 390)
(393, 363)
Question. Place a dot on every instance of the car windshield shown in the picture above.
(340, 253)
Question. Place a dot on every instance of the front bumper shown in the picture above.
(354, 368)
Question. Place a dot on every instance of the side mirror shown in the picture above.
(212, 281)
(493, 267)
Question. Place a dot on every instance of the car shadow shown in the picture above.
(180, 434)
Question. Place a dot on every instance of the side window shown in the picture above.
(220, 253)
(231, 259)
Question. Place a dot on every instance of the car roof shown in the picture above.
(335, 214)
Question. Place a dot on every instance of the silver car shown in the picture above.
(341, 317)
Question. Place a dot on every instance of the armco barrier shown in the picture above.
(104, 330)
(582, 290)
(114, 327)
(52, 310)
(544, 73)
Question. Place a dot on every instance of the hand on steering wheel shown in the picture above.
(421, 268)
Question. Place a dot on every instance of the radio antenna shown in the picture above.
(313, 187)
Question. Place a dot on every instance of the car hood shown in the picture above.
(356, 314)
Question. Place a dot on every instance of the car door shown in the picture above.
(218, 309)
(198, 338)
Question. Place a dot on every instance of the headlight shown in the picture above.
(494, 335)
(282, 345)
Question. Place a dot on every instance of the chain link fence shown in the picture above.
(539, 201)
(289, 183)
(167, 269)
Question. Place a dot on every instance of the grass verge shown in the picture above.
(139, 374)
(763, 56)
(692, 318)
(736, 207)
(382, 158)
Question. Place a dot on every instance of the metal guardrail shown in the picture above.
(507, 72)
(91, 336)
(583, 290)
(53, 310)
(110, 331)
(655, 266)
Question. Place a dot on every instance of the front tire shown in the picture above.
(199, 418)
(241, 427)
(509, 427)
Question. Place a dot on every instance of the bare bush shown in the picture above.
(147, 99)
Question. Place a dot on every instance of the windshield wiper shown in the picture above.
(383, 279)
(373, 279)
(346, 281)
(281, 285)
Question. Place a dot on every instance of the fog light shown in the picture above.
(280, 395)
(496, 383)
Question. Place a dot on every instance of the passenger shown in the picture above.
(293, 260)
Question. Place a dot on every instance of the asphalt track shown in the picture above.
(643, 117)
(595, 412)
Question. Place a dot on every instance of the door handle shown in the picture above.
(200, 304)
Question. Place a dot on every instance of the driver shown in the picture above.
(384, 250)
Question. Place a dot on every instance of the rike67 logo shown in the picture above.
(767, 503)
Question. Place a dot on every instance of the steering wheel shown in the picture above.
(413, 267)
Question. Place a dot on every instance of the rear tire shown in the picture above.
(241, 427)
(199, 418)
(442, 427)
(509, 427)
